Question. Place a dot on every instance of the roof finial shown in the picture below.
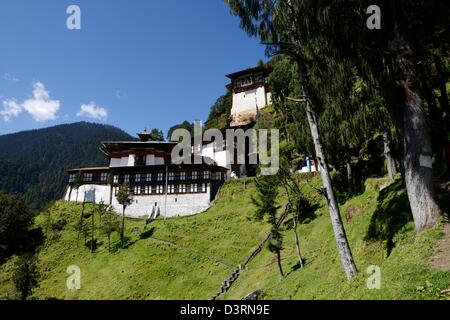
(144, 135)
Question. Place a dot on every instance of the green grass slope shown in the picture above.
(188, 258)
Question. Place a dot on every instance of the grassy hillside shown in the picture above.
(188, 258)
(34, 162)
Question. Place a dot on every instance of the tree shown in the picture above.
(219, 115)
(265, 202)
(290, 27)
(109, 223)
(16, 220)
(396, 57)
(184, 125)
(124, 197)
(296, 202)
(156, 135)
(25, 276)
(283, 83)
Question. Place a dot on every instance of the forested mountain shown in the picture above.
(33, 163)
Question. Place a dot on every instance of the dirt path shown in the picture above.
(441, 257)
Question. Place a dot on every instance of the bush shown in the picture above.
(25, 275)
(16, 220)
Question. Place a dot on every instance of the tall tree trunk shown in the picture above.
(92, 233)
(279, 263)
(345, 253)
(416, 142)
(122, 230)
(390, 161)
(348, 165)
(297, 242)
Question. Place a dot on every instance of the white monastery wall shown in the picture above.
(115, 162)
(177, 204)
(247, 100)
(130, 161)
(102, 193)
(222, 158)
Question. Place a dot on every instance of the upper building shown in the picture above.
(250, 94)
(155, 182)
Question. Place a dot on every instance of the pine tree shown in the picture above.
(266, 208)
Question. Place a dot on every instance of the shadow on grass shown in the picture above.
(95, 244)
(296, 267)
(116, 246)
(392, 214)
(147, 234)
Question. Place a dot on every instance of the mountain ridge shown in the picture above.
(34, 162)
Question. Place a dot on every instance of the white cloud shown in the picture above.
(11, 109)
(93, 111)
(9, 77)
(41, 107)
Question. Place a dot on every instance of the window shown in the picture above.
(182, 188)
(137, 190)
(203, 187)
(171, 188)
(182, 175)
(87, 177)
(194, 175)
(171, 176)
(126, 178)
(206, 175)
(103, 176)
(137, 178)
(148, 177)
(159, 189)
(116, 179)
(194, 188)
(160, 176)
(71, 178)
(216, 175)
(148, 190)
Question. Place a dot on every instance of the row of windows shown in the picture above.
(89, 177)
(147, 177)
(171, 189)
(172, 176)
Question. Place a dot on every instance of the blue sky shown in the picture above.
(133, 64)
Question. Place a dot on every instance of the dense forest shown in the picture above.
(345, 77)
(33, 163)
